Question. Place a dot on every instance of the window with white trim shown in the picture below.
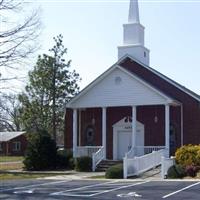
(16, 146)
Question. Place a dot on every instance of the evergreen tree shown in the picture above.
(41, 152)
(51, 85)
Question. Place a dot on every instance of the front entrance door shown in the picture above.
(122, 138)
(124, 143)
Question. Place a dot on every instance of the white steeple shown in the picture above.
(133, 16)
(133, 42)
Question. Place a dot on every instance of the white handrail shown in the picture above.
(166, 163)
(86, 150)
(97, 158)
(135, 166)
(142, 150)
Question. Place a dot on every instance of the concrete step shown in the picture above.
(105, 164)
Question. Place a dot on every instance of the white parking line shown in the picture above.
(78, 192)
(80, 188)
(185, 188)
(118, 188)
(35, 185)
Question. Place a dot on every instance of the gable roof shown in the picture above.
(72, 102)
(174, 83)
(6, 136)
(117, 65)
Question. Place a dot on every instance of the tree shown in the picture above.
(51, 85)
(9, 113)
(41, 152)
(18, 34)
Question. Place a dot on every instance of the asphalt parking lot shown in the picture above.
(105, 189)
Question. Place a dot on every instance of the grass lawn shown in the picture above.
(14, 176)
(98, 177)
(11, 158)
(11, 166)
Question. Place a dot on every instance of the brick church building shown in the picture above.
(132, 106)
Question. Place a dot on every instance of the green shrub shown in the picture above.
(63, 157)
(191, 170)
(71, 163)
(116, 171)
(41, 152)
(176, 171)
(188, 155)
(83, 164)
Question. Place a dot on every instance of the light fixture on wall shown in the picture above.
(156, 119)
(93, 117)
(156, 116)
(93, 121)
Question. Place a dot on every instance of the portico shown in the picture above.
(132, 128)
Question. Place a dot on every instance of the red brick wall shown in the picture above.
(86, 120)
(68, 134)
(3, 148)
(22, 139)
(154, 132)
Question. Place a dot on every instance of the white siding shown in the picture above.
(108, 93)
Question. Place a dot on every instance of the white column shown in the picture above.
(167, 125)
(134, 126)
(104, 130)
(74, 132)
(79, 125)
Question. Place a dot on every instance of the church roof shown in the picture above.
(118, 64)
(169, 80)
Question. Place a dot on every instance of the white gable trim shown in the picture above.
(160, 75)
(168, 99)
(101, 77)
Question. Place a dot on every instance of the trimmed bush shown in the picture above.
(71, 163)
(116, 171)
(63, 157)
(41, 152)
(191, 170)
(176, 171)
(83, 164)
(188, 155)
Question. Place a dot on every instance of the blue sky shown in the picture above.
(92, 30)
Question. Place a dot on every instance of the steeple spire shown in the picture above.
(133, 16)
(133, 43)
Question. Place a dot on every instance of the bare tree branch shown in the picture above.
(18, 38)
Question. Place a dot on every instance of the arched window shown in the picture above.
(89, 135)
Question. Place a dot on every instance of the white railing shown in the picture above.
(142, 150)
(86, 150)
(148, 149)
(166, 163)
(97, 158)
(137, 165)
